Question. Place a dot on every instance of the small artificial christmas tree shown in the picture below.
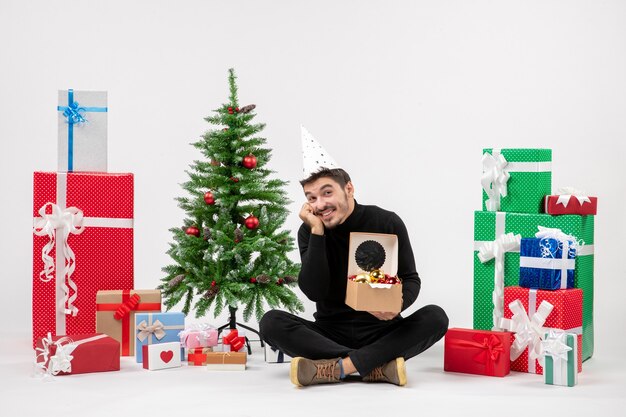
(230, 251)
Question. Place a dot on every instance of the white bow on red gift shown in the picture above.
(66, 221)
(566, 193)
(529, 331)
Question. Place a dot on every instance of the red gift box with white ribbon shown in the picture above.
(570, 201)
(82, 243)
(530, 313)
(77, 354)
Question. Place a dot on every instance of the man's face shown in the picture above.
(329, 201)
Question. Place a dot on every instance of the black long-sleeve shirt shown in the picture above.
(324, 273)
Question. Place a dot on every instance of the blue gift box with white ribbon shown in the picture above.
(155, 328)
(82, 121)
(547, 263)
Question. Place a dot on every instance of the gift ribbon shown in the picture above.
(61, 360)
(528, 328)
(156, 328)
(197, 356)
(73, 113)
(126, 329)
(494, 179)
(557, 352)
(43, 225)
(566, 193)
(496, 250)
(281, 356)
(65, 221)
(490, 350)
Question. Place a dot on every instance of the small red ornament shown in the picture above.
(193, 231)
(237, 109)
(230, 110)
(280, 281)
(213, 284)
(252, 222)
(249, 161)
(225, 129)
(234, 179)
(253, 280)
(209, 198)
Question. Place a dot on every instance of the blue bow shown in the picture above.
(72, 113)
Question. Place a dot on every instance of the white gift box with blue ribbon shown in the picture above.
(548, 261)
(82, 121)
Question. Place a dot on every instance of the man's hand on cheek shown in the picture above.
(314, 221)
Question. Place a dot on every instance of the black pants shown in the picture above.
(368, 342)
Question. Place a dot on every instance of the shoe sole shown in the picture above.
(293, 373)
(401, 371)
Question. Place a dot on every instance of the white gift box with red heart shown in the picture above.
(161, 356)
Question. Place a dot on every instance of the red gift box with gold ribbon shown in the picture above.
(82, 243)
(479, 352)
(115, 314)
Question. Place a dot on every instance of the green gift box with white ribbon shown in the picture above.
(516, 180)
(497, 232)
(560, 351)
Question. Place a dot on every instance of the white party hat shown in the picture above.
(314, 156)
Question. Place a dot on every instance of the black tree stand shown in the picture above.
(232, 324)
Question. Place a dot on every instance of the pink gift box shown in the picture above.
(198, 336)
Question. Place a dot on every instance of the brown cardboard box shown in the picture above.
(123, 329)
(226, 361)
(374, 297)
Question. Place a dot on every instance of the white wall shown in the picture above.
(404, 94)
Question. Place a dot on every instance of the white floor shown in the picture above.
(264, 390)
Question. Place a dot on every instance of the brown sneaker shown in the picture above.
(308, 372)
(393, 372)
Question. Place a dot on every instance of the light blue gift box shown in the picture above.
(82, 133)
(154, 328)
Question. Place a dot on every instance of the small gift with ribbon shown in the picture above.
(560, 353)
(197, 356)
(516, 180)
(82, 243)
(569, 200)
(496, 251)
(233, 341)
(76, 354)
(548, 261)
(198, 335)
(479, 352)
(161, 356)
(226, 361)
(153, 328)
(530, 314)
(82, 121)
(274, 355)
(116, 310)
